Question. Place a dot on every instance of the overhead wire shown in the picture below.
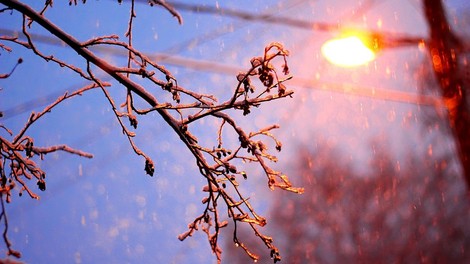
(214, 67)
(287, 21)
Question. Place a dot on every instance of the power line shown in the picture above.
(219, 31)
(396, 39)
(243, 15)
(213, 67)
(208, 66)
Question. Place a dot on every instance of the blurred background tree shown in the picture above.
(416, 212)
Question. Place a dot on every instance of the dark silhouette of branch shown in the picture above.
(169, 7)
(6, 75)
(4, 217)
(445, 51)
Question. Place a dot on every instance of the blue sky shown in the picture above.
(106, 209)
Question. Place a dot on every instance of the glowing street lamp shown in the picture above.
(351, 49)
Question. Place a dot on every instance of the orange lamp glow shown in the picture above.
(348, 51)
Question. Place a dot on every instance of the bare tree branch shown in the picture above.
(218, 165)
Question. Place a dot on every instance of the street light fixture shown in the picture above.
(351, 49)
